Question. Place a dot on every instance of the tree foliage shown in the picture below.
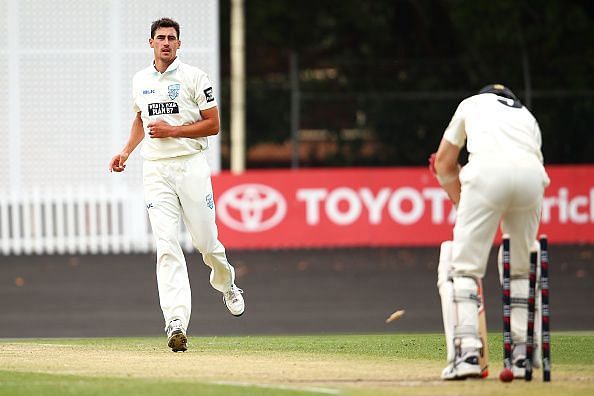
(398, 68)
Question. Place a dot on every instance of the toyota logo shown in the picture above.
(251, 207)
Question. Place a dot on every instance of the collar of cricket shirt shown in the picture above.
(174, 65)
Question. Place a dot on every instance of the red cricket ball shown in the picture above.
(506, 375)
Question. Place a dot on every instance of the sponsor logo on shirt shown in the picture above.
(163, 108)
(209, 95)
(148, 91)
(173, 91)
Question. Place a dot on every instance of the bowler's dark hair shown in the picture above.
(164, 23)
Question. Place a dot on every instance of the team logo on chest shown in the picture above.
(173, 91)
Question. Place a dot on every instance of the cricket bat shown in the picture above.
(484, 352)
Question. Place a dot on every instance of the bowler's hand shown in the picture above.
(160, 129)
(117, 163)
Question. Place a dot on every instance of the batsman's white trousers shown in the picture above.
(497, 190)
(174, 187)
(494, 190)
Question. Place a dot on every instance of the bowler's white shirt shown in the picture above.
(175, 96)
(494, 129)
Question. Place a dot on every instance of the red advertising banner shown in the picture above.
(373, 207)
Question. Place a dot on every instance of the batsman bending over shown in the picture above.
(503, 181)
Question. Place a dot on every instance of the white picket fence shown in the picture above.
(76, 221)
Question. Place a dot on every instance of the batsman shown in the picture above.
(502, 185)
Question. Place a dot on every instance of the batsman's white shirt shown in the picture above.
(176, 97)
(491, 126)
(177, 183)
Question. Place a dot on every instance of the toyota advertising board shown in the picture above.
(373, 207)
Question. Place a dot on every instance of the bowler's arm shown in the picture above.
(208, 126)
(117, 163)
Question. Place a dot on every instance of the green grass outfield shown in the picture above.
(368, 364)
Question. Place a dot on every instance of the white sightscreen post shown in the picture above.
(237, 88)
(214, 143)
(295, 102)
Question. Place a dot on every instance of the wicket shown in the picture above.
(544, 289)
(544, 292)
(531, 308)
(507, 339)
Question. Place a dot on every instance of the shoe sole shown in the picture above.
(472, 374)
(462, 377)
(178, 342)
(238, 315)
(462, 374)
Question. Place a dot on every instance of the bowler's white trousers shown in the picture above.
(182, 186)
(494, 190)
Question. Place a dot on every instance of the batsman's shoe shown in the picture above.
(176, 336)
(233, 299)
(463, 367)
(519, 367)
(519, 360)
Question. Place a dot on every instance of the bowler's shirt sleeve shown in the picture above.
(204, 95)
(455, 133)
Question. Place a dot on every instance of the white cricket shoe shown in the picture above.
(233, 299)
(463, 367)
(519, 367)
(519, 360)
(176, 336)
